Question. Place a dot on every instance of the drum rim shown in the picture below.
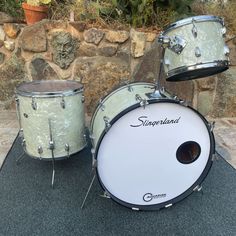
(183, 69)
(113, 91)
(189, 20)
(56, 158)
(183, 195)
(69, 92)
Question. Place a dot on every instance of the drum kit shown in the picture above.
(149, 149)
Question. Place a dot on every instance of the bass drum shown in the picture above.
(197, 48)
(150, 153)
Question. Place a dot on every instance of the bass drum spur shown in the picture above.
(149, 153)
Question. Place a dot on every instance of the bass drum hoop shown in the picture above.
(113, 91)
(182, 196)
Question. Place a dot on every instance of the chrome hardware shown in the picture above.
(198, 52)
(211, 126)
(130, 89)
(40, 150)
(226, 50)
(83, 98)
(164, 40)
(142, 102)
(198, 188)
(105, 195)
(67, 149)
(184, 103)
(91, 136)
(223, 31)
(135, 209)
(101, 105)
(194, 29)
(18, 111)
(175, 44)
(167, 62)
(33, 103)
(107, 123)
(63, 104)
(51, 145)
(23, 143)
(169, 205)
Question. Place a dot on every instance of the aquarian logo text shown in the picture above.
(143, 121)
(149, 196)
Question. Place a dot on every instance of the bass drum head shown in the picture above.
(154, 156)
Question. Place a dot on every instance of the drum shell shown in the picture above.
(209, 41)
(116, 102)
(67, 124)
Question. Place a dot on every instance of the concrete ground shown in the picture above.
(225, 135)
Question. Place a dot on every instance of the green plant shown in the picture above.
(12, 7)
(38, 2)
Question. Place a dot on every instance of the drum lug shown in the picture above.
(67, 149)
(40, 151)
(105, 195)
(83, 98)
(102, 106)
(184, 103)
(198, 52)
(23, 143)
(135, 209)
(169, 205)
(198, 188)
(142, 102)
(129, 87)
(33, 103)
(211, 126)
(226, 50)
(91, 136)
(107, 123)
(51, 145)
(63, 104)
(194, 30)
(223, 31)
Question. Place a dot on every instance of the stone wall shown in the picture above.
(100, 59)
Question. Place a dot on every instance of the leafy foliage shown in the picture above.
(12, 7)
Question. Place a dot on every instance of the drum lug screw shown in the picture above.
(223, 31)
(34, 104)
(226, 50)
(130, 89)
(198, 188)
(184, 103)
(107, 123)
(105, 195)
(40, 151)
(194, 29)
(83, 99)
(63, 104)
(67, 149)
(169, 205)
(102, 106)
(51, 145)
(212, 126)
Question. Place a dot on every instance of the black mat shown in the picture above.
(29, 206)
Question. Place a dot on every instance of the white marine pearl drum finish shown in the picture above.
(51, 113)
(195, 48)
(149, 152)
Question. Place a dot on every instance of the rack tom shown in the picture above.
(195, 48)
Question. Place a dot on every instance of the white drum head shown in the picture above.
(154, 156)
